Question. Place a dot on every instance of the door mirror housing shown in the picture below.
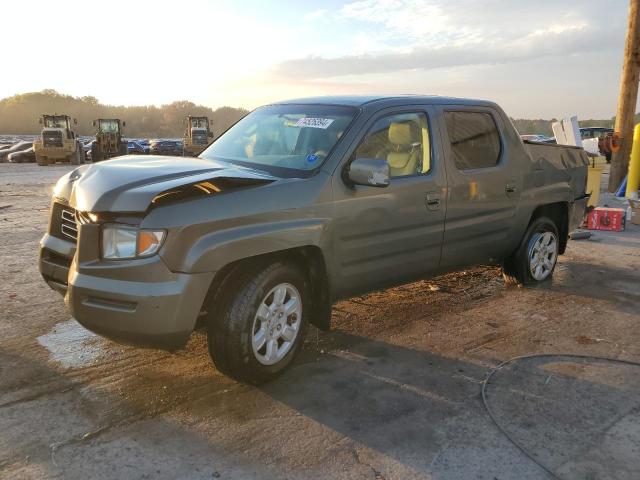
(371, 172)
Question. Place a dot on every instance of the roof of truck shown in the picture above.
(361, 100)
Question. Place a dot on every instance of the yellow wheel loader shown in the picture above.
(108, 141)
(58, 142)
(196, 136)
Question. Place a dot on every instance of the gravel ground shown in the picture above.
(393, 392)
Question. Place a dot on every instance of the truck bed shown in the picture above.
(559, 163)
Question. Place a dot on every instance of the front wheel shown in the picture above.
(96, 153)
(76, 157)
(535, 259)
(256, 326)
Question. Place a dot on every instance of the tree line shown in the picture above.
(19, 115)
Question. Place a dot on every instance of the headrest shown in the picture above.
(401, 134)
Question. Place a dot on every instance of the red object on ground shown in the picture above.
(611, 219)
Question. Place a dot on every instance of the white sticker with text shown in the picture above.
(314, 122)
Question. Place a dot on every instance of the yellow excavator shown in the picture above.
(58, 142)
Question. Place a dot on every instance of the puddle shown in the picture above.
(71, 345)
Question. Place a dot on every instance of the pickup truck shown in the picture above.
(299, 204)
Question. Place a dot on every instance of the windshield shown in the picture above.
(295, 137)
(55, 122)
(198, 122)
(109, 126)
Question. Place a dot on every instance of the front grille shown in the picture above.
(199, 139)
(63, 222)
(68, 225)
(52, 139)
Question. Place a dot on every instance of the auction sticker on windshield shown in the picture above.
(311, 122)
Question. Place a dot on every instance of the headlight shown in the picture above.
(128, 242)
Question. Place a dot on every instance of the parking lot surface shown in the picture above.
(393, 392)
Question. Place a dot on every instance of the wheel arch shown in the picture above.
(558, 212)
(309, 258)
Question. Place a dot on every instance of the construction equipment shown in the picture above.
(108, 142)
(197, 135)
(58, 142)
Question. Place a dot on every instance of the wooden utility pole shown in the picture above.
(628, 97)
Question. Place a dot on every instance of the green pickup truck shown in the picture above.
(299, 204)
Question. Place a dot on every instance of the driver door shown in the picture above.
(390, 235)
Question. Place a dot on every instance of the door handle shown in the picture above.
(432, 200)
(509, 188)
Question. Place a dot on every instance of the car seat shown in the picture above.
(404, 153)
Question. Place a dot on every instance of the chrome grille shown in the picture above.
(68, 225)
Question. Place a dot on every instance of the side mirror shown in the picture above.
(210, 134)
(93, 123)
(75, 121)
(40, 121)
(371, 172)
(124, 124)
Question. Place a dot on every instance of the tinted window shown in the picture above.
(475, 142)
(402, 140)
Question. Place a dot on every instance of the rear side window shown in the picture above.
(474, 137)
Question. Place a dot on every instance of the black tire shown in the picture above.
(76, 157)
(516, 269)
(42, 161)
(123, 149)
(96, 154)
(230, 321)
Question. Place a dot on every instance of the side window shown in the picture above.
(402, 140)
(474, 137)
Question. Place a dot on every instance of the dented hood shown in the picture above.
(132, 183)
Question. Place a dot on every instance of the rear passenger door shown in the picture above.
(483, 186)
(388, 235)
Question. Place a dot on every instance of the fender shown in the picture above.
(537, 197)
(213, 251)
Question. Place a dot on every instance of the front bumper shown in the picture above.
(67, 149)
(194, 150)
(139, 302)
(55, 260)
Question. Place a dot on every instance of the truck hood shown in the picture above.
(133, 184)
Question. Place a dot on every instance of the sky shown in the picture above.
(538, 59)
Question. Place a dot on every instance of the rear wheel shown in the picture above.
(42, 161)
(256, 326)
(535, 259)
